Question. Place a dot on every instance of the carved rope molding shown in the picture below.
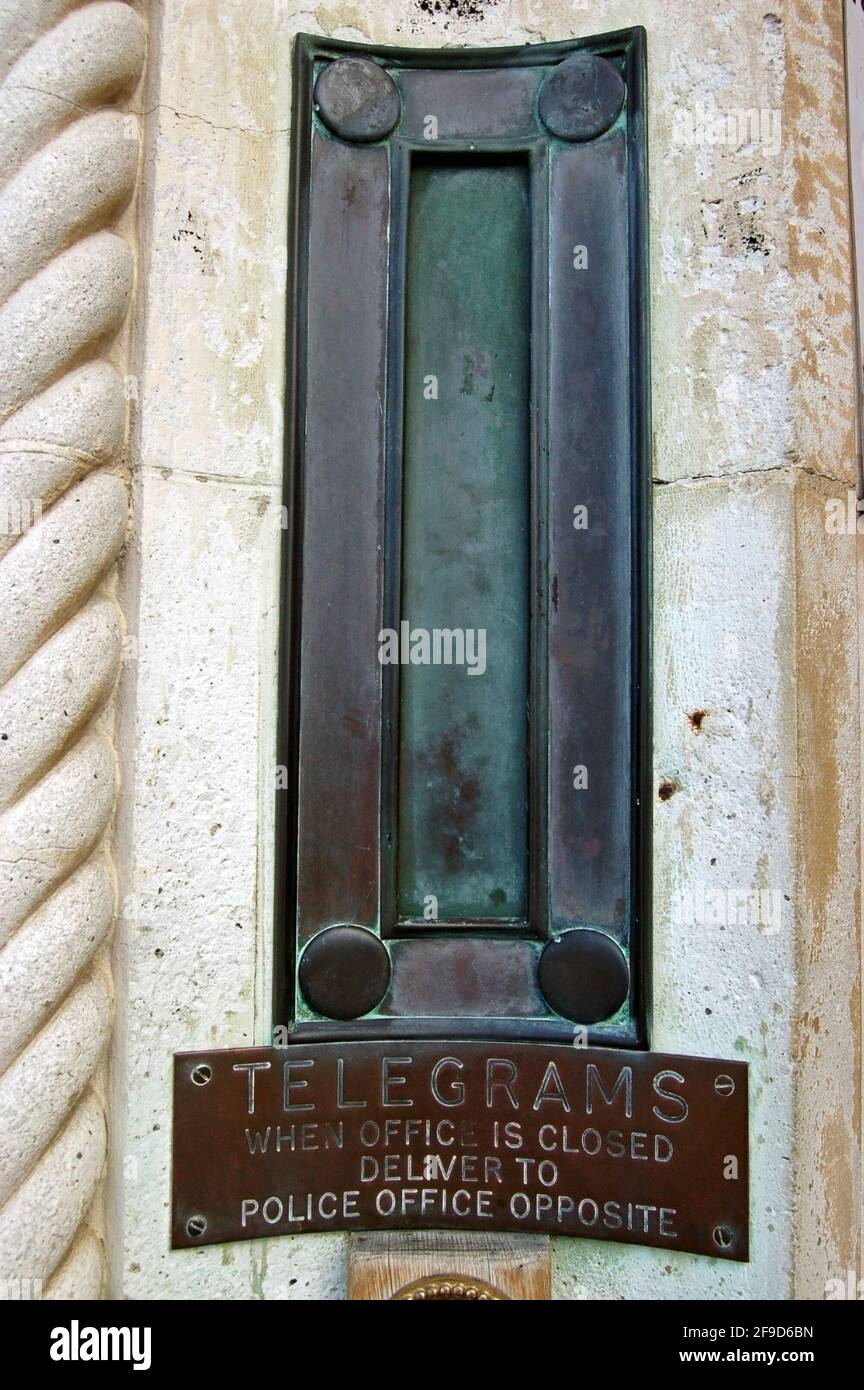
(68, 164)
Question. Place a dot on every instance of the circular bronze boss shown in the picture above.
(584, 975)
(357, 99)
(344, 972)
(581, 97)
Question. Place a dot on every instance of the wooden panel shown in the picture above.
(380, 1265)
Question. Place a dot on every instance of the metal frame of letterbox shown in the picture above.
(309, 50)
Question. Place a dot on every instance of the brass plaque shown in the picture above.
(641, 1147)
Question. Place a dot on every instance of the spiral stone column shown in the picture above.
(68, 165)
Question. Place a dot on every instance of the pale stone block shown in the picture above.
(45, 957)
(89, 59)
(753, 379)
(52, 1073)
(67, 284)
(40, 1219)
(51, 828)
(84, 412)
(49, 700)
(81, 1275)
(63, 313)
(185, 956)
(57, 563)
(78, 181)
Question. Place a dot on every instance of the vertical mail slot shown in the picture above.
(464, 806)
(465, 556)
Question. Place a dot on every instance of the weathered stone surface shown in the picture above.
(55, 566)
(752, 382)
(89, 59)
(52, 1073)
(67, 169)
(82, 1273)
(40, 1219)
(43, 959)
(47, 703)
(756, 687)
(48, 831)
(79, 180)
(84, 414)
(63, 314)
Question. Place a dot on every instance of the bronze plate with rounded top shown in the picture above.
(584, 975)
(344, 972)
(581, 97)
(357, 99)
(434, 1287)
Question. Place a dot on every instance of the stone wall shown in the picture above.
(68, 165)
(756, 632)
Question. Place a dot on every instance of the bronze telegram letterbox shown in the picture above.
(463, 808)
(466, 804)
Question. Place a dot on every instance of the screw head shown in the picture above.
(201, 1074)
(723, 1237)
(724, 1085)
(196, 1225)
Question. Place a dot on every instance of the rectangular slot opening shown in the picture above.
(462, 854)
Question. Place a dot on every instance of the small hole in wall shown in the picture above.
(668, 788)
(696, 720)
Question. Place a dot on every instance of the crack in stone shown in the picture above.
(751, 473)
(44, 446)
(55, 96)
(193, 116)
